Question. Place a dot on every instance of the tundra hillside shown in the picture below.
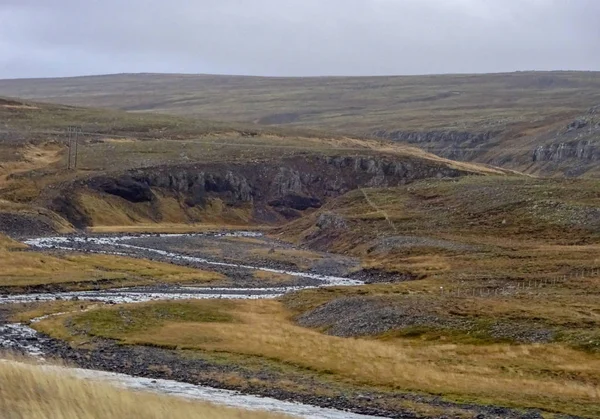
(538, 122)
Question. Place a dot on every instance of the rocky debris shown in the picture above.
(551, 211)
(241, 252)
(345, 317)
(330, 220)
(521, 332)
(378, 276)
(577, 124)
(201, 249)
(387, 244)
(370, 316)
(365, 316)
(25, 224)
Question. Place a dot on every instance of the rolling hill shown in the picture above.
(542, 123)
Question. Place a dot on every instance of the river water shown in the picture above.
(25, 339)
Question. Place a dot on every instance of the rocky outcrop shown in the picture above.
(456, 145)
(579, 141)
(331, 221)
(276, 190)
(584, 150)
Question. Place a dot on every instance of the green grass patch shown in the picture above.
(129, 319)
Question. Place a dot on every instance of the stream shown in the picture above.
(25, 339)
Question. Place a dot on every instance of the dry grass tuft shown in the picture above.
(35, 392)
(8, 244)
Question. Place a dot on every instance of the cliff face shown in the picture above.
(274, 190)
(580, 140)
(571, 150)
(455, 145)
(582, 150)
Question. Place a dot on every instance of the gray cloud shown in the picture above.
(296, 37)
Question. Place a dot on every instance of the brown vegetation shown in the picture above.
(23, 269)
(39, 392)
(499, 373)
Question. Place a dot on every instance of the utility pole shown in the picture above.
(73, 140)
(76, 146)
(70, 144)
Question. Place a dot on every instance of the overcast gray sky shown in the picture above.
(43, 38)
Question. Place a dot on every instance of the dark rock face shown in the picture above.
(68, 207)
(572, 151)
(274, 189)
(124, 187)
(296, 202)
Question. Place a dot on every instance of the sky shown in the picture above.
(56, 38)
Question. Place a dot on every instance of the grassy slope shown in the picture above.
(476, 229)
(498, 373)
(36, 392)
(22, 269)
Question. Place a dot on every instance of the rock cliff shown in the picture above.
(273, 190)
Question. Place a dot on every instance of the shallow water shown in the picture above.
(23, 338)
(143, 294)
(71, 243)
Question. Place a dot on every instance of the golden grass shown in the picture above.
(37, 392)
(31, 158)
(6, 243)
(111, 214)
(549, 377)
(29, 269)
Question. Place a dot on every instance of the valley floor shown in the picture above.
(377, 349)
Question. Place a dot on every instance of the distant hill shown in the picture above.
(516, 120)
